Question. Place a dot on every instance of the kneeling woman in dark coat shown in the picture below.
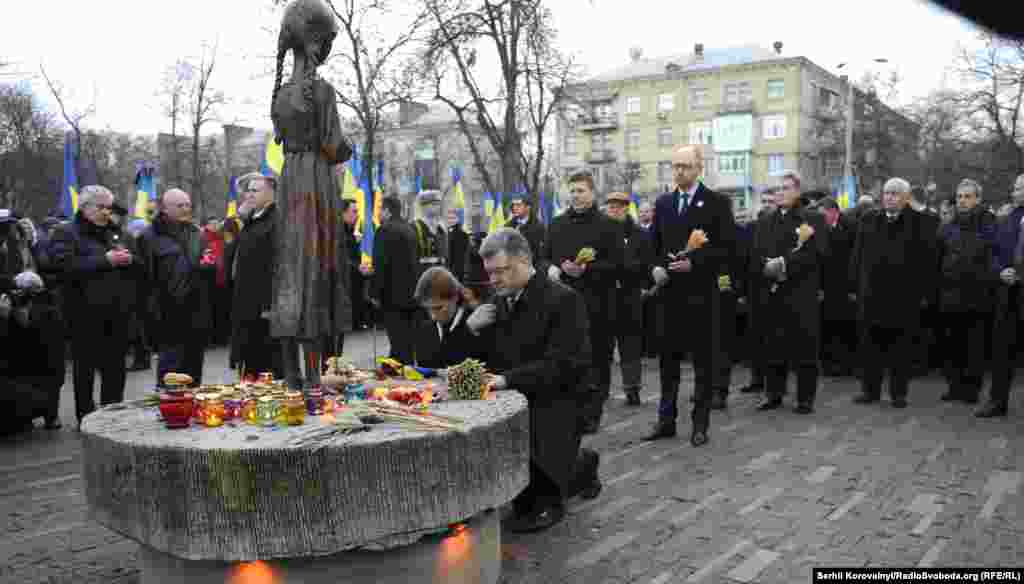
(445, 340)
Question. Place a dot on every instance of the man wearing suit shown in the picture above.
(528, 226)
(1008, 264)
(688, 279)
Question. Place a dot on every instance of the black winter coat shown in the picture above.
(457, 344)
(458, 244)
(572, 231)
(535, 235)
(248, 274)
(542, 348)
(176, 295)
(786, 312)
(395, 266)
(636, 276)
(836, 273)
(91, 286)
(894, 268)
(966, 248)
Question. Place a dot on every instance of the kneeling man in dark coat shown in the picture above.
(541, 348)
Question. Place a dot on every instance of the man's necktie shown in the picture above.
(684, 199)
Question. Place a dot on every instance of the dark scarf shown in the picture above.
(185, 234)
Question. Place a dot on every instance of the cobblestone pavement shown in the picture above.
(772, 494)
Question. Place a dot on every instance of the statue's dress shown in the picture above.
(311, 272)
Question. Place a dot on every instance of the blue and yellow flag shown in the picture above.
(634, 206)
(458, 196)
(233, 197)
(273, 157)
(145, 190)
(497, 215)
(368, 227)
(69, 189)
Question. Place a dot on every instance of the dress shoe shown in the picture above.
(865, 398)
(592, 490)
(718, 401)
(53, 423)
(537, 521)
(804, 409)
(633, 397)
(699, 438)
(969, 398)
(950, 395)
(661, 430)
(899, 402)
(992, 410)
(752, 388)
(771, 403)
(591, 426)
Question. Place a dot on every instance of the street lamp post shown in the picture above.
(848, 164)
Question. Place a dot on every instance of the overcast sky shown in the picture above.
(113, 53)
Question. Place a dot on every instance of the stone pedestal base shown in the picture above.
(472, 556)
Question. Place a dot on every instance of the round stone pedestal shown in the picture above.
(470, 555)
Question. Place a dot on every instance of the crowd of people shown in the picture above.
(884, 292)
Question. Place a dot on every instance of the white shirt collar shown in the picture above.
(455, 322)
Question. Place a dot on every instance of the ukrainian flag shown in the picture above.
(69, 189)
(232, 197)
(634, 206)
(273, 157)
(145, 190)
(378, 193)
(366, 245)
(497, 215)
(458, 197)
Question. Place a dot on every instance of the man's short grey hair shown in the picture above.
(971, 185)
(896, 185)
(89, 194)
(793, 176)
(243, 181)
(505, 240)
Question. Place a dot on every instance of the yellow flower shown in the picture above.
(804, 232)
(697, 240)
(586, 255)
(724, 282)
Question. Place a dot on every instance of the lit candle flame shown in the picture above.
(252, 573)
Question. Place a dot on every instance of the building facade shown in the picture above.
(756, 113)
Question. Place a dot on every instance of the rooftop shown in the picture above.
(713, 58)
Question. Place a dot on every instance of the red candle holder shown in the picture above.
(176, 408)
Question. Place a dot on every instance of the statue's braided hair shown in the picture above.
(305, 22)
(277, 87)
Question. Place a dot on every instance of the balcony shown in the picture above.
(737, 107)
(597, 123)
(600, 156)
(832, 112)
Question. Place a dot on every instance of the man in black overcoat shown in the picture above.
(788, 250)
(583, 226)
(245, 262)
(458, 246)
(839, 313)
(688, 280)
(894, 268)
(627, 330)
(541, 348)
(395, 270)
(529, 226)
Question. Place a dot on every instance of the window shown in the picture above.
(632, 105)
(773, 127)
(632, 138)
(666, 102)
(699, 98)
(732, 164)
(738, 93)
(827, 98)
(776, 89)
(604, 111)
(664, 137)
(776, 164)
(665, 172)
(700, 133)
(570, 145)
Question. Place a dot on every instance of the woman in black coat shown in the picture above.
(445, 340)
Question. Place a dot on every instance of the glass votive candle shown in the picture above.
(232, 408)
(294, 408)
(199, 409)
(249, 410)
(355, 392)
(213, 410)
(266, 410)
(314, 401)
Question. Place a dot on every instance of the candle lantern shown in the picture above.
(294, 408)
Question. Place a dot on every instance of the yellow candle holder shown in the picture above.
(214, 412)
(294, 408)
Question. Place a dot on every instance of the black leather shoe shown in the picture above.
(950, 395)
(771, 403)
(633, 397)
(899, 402)
(699, 438)
(661, 430)
(718, 401)
(865, 398)
(752, 388)
(969, 398)
(592, 490)
(537, 521)
(591, 426)
(804, 409)
(992, 410)
(53, 423)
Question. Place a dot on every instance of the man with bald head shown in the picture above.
(170, 249)
(894, 268)
(686, 272)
